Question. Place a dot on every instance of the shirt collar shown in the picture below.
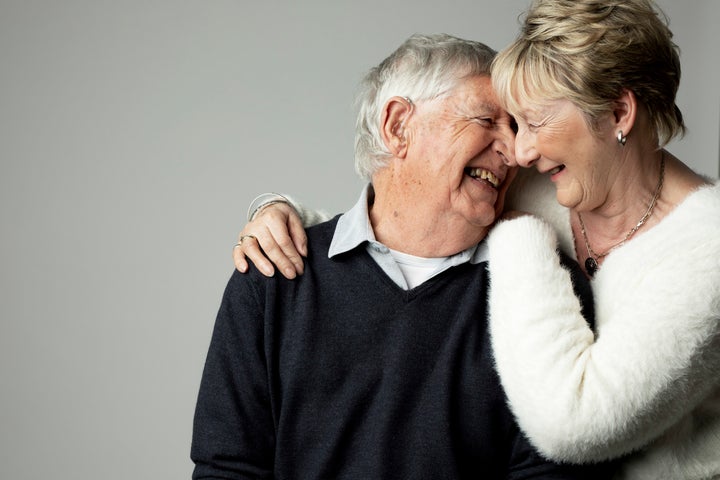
(354, 228)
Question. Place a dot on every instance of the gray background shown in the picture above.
(133, 135)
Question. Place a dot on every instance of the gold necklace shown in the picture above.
(591, 263)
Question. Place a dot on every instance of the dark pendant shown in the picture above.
(591, 266)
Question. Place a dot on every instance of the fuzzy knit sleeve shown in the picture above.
(308, 216)
(582, 395)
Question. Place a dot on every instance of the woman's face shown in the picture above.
(555, 138)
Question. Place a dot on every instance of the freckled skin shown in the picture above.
(450, 140)
(429, 189)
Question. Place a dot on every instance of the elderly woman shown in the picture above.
(592, 85)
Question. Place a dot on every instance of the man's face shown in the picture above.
(459, 149)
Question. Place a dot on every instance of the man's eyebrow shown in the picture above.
(474, 110)
(486, 108)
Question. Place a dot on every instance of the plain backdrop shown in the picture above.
(133, 135)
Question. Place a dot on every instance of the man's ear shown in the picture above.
(625, 109)
(393, 120)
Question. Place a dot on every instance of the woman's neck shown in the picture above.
(633, 206)
(627, 206)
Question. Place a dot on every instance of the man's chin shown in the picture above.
(484, 217)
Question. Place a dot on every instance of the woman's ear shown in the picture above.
(625, 110)
(393, 121)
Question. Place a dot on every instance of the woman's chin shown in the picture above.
(565, 199)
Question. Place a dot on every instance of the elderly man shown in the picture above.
(376, 363)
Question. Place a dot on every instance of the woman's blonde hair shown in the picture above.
(588, 52)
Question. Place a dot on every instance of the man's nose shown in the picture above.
(505, 146)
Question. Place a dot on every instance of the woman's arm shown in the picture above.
(275, 234)
(581, 396)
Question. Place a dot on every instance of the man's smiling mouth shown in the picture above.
(482, 174)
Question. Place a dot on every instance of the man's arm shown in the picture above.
(234, 434)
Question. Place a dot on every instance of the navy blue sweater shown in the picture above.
(340, 374)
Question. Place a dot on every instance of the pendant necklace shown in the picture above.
(591, 263)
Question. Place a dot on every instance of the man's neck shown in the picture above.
(418, 229)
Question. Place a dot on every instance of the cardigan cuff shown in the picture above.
(523, 239)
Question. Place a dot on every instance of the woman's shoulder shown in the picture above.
(701, 203)
(689, 195)
(683, 183)
(682, 251)
(679, 258)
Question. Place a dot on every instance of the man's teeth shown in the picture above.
(483, 174)
(556, 169)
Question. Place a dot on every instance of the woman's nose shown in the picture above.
(525, 152)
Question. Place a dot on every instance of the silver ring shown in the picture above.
(243, 237)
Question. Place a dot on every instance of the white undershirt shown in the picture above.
(417, 270)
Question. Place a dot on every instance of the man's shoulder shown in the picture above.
(323, 228)
(320, 236)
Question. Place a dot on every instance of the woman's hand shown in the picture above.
(275, 235)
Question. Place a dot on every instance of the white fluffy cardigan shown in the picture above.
(648, 381)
